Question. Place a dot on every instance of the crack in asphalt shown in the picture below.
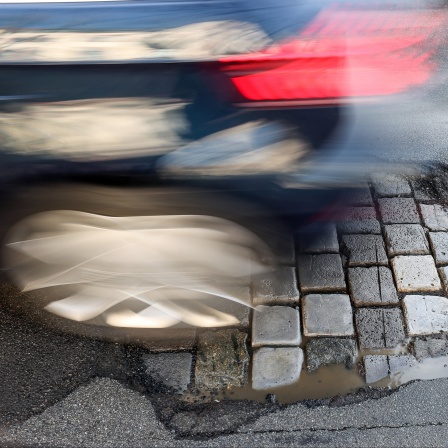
(345, 428)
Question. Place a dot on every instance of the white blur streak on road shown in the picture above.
(169, 264)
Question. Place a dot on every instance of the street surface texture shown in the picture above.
(368, 295)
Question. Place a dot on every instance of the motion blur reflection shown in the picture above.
(170, 264)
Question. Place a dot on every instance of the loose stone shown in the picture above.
(400, 363)
(365, 250)
(430, 347)
(359, 220)
(406, 239)
(323, 241)
(327, 315)
(372, 286)
(277, 287)
(276, 326)
(222, 359)
(379, 328)
(326, 351)
(321, 273)
(376, 368)
(399, 211)
(415, 273)
(275, 367)
(425, 315)
(391, 185)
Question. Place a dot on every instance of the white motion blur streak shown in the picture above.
(167, 263)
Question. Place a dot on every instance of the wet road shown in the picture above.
(65, 391)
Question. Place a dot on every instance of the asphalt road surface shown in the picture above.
(60, 390)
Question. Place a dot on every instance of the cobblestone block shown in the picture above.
(425, 315)
(391, 185)
(406, 239)
(325, 241)
(361, 196)
(435, 217)
(439, 245)
(173, 370)
(278, 287)
(365, 250)
(394, 333)
(376, 368)
(326, 351)
(359, 220)
(400, 363)
(430, 347)
(321, 273)
(379, 328)
(276, 326)
(222, 359)
(275, 367)
(372, 286)
(327, 315)
(370, 328)
(399, 211)
(415, 273)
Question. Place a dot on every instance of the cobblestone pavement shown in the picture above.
(366, 300)
(369, 292)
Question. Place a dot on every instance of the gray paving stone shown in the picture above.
(170, 369)
(400, 363)
(326, 351)
(275, 367)
(379, 328)
(359, 220)
(390, 185)
(439, 245)
(376, 368)
(425, 315)
(372, 286)
(321, 273)
(327, 315)
(361, 196)
(365, 250)
(276, 326)
(406, 239)
(435, 217)
(222, 359)
(324, 241)
(394, 333)
(416, 273)
(398, 211)
(430, 347)
(370, 328)
(278, 287)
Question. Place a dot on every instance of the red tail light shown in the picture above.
(341, 54)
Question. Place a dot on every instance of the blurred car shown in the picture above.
(156, 154)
